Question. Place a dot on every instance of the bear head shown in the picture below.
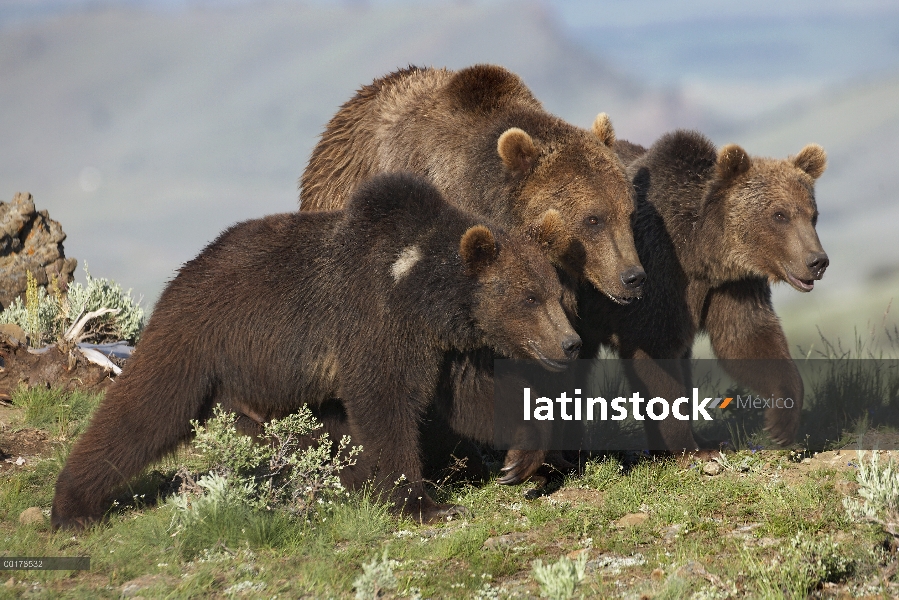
(517, 300)
(575, 196)
(459, 271)
(769, 214)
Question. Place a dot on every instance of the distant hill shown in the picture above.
(145, 133)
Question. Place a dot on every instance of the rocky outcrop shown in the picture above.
(30, 241)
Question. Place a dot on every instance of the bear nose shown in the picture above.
(633, 278)
(817, 262)
(571, 346)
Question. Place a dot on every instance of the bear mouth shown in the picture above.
(622, 300)
(803, 285)
(548, 363)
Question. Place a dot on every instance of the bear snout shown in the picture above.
(817, 262)
(571, 346)
(634, 278)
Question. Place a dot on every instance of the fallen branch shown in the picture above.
(73, 333)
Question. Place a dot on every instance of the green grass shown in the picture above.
(772, 529)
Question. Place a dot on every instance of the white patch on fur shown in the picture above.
(406, 260)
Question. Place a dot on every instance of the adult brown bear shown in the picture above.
(361, 304)
(714, 228)
(483, 139)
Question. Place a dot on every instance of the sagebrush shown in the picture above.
(46, 313)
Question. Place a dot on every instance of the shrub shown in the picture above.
(559, 580)
(377, 577)
(103, 293)
(293, 470)
(44, 315)
(878, 486)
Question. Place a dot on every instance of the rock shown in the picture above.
(11, 582)
(30, 241)
(13, 332)
(130, 590)
(504, 541)
(575, 554)
(711, 468)
(692, 568)
(31, 516)
(632, 519)
(670, 533)
(613, 564)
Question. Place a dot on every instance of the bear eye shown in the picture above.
(532, 300)
(780, 217)
(592, 221)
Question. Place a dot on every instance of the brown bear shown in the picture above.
(483, 139)
(714, 229)
(361, 304)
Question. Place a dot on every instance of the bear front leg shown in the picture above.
(389, 436)
(467, 395)
(664, 379)
(747, 337)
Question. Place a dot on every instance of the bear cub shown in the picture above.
(714, 229)
(361, 304)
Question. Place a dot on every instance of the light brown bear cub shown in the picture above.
(362, 304)
(714, 229)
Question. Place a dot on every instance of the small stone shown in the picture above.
(692, 568)
(504, 541)
(632, 519)
(13, 332)
(575, 554)
(130, 590)
(10, 582)
(657, 574)
(806, 461)
(31, 515)
(711, 468)
(671, 532)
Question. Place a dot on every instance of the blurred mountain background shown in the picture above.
(148, 126)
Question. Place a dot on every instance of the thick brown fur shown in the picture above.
(714, 230)
(363, 304)
(483, 139)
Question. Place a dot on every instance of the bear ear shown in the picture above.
(517, 150)
(732, 162)
(478, 248)
(548, 230)
(812, 159)
(602, 128)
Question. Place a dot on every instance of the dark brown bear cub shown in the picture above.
(483, 139)
(487, 143)
(361, 304)
(714, 229)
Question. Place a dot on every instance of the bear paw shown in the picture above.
(520, 466)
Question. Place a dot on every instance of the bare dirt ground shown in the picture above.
(22, 445)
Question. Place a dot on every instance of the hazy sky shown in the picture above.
(146, 136)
